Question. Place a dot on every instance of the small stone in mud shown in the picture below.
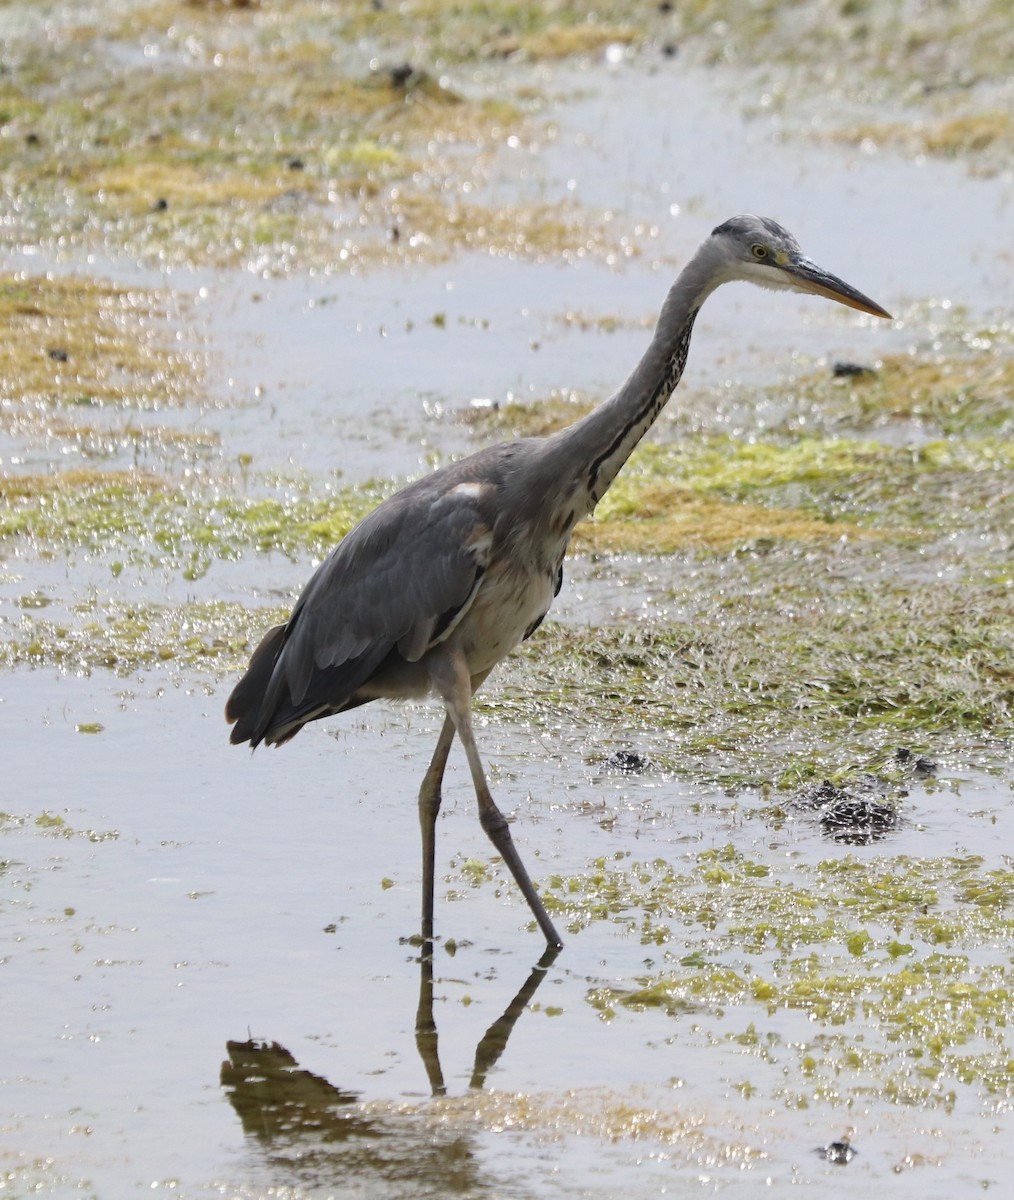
(847, 370)
(627, 761)
(400, 75)
(837, 1152)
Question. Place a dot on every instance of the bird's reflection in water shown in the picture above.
(494, 1040)
(317, 1134)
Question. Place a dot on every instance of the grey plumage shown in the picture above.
(446, 577)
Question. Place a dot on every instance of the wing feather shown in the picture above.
(390, 580)
(397, 583)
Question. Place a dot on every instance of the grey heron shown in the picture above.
(443, 579)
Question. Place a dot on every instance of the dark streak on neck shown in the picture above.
(647, 412)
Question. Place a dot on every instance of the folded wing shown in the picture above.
(396, 585)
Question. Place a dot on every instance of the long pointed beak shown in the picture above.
(806, 276)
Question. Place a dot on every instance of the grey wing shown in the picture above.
(398, 581)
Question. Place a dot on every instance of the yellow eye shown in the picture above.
(759, 251)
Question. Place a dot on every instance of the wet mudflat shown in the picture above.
(208, 982)
(181, 901)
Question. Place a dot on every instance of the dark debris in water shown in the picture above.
(629, 762)
(856, 812)
(858, 820)
(919, 766)
(851, 370)
(865, 808)
(840, 1153)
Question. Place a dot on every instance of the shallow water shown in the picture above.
(195, 896)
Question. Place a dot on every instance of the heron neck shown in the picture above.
(595, 448)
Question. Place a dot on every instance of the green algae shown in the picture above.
(148, 140)
(79, 343)
(54, 825)
(702, 492)
(792, 674)
(127, 638)
(373, 130)
(515, 419)
(823, 487)
(965, 393)
(885, 975)
(146, 519)
(894, 946)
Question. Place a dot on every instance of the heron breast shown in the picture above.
(505, 607)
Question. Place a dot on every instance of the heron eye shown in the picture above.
(759, 252)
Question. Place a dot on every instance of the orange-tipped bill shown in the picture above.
(808, 277)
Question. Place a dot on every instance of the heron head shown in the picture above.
(761, 251)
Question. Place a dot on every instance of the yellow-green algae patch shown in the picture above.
(515, 419)
(973, 135)
(52, 824)
(140, 516)
(721, 492)
(127, 637)
(963, 393)
(666, 518)
(755, 907)
(77, 341)
(268, 136)
(432, 225)
(912, 954)
(786, 670)
(695, 493)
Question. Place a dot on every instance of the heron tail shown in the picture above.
(243, 708)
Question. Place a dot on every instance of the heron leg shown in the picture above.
(449, 672)
(429, 807)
